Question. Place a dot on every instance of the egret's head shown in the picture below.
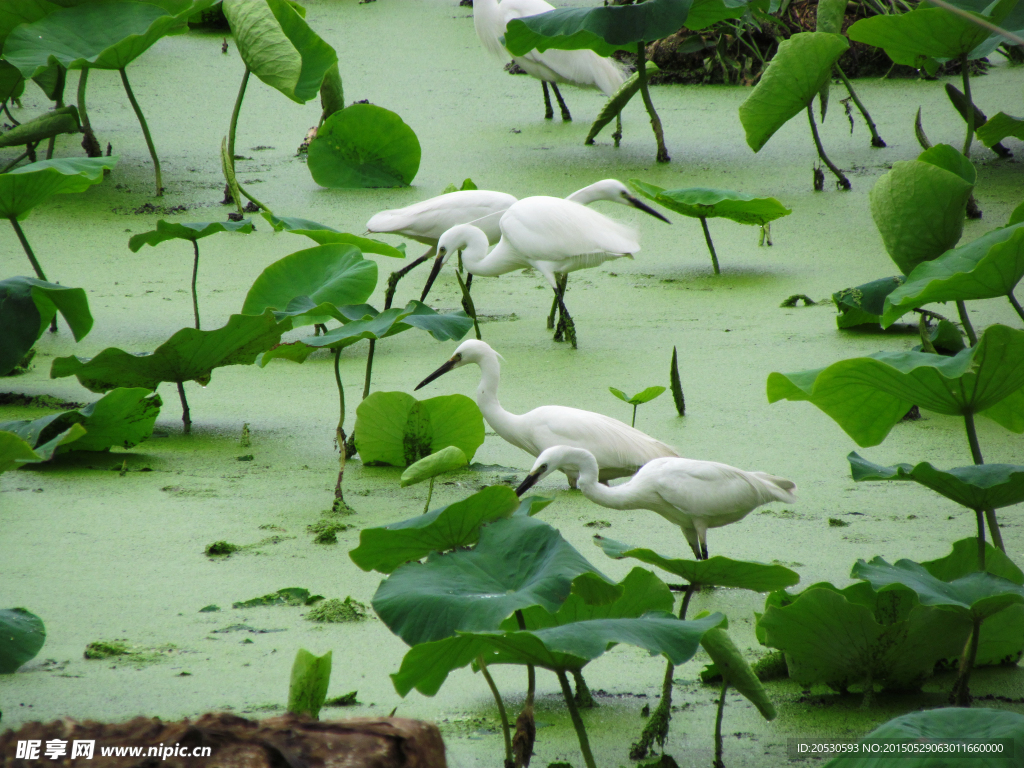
(469, 351)
(452, 241)
(615, 191)
(551, 459)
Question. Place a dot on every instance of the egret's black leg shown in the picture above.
(565, 322)
(565, 110)
(703, 551)
(548, 112)
(560, 281)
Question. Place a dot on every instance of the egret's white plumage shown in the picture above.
(584, 68)
(619, 449)
(695, 495)
(427, 220)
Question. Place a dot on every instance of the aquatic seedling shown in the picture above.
(108, 36)
(27, 305)
(189, 355)
(397, 429)
(864, 304)
(307, 688)
(638, 399)
(193, 232)
(797, 73)
(364, 145)
(676, 384)
(277, 46)
(702, 203)
(22, 635)
(294, 596)
(437, 463)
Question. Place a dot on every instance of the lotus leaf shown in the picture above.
(26, 307)
(998, 127)
(189, 355)
(988, 267)
(12, 84)
(797, 72)
(735, 671)
(191, 231)
(307, 691)
(325, 277)
(22, 634)
(397, 429)
(518, 562)
(429, 467)
(704, 13)
(122, 417)
(865, 303)
(452, 527)
(15, 452)
(23, 12)
(867, 396)
(279, 48)
(705, 203)
(324, 235)
(46, 126)
(640, 398)
(715, 571)
(364, 146)
(26, 186)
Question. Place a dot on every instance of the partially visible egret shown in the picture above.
(695, 495)
(583, 68)
(619, 449)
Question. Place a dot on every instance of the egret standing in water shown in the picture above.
(619, 449)
(695, 495)
(583, 68)
(555, 236)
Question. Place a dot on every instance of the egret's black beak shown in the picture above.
(636, 203)
(438, 373)
(434, 271)
(528, 483)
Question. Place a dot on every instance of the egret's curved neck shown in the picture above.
(617, 497)
(478, 261)
(487, 394)
(588, 195)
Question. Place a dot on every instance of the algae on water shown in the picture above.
(336, 611)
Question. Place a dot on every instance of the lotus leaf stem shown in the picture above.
(186, 418)
(990, 514)
(369, 371)
(231, 142)
(969, 117)
(195, 274)
(577, 721)
(531, 673)
(430, 493)
(1016, 304)
(584, 698)
(11, 117)
(972, 337)
(145, 130)
(960, 695)
(339, 504)
(14, 162)
(718, 727)
(89, 142)
(526, 726)
(876, 140)
(617, 136)
(467, 302)
(641, 68)
(843, 182)
(711, 246)
(980, 515)
(505, 732)
(32, 258)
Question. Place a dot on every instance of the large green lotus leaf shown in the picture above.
(919, 208)
(735, 670)
(998, 127)
(518, 562)
(963, 560)
(603, 29)
(364, 146)
(982, 486)
(12, 84)
(797, 72)
(15, 452)
(705, 203)
(985, 268)
(1012, 22)
(278, 46)
(864, 303)
(452, 527)
(830, 16)
(189, 355)
(192, 231)
(704, 13)
(829, 638)
(867, 396)
(942, 725)
(22, 12)
(570, 647)
(638, 593)
(918, 38)
(446, 460)
(46, 126)
(26, 307)
(978, 594)
(25, 187)
(323, 235)
(122, 417)
(22, 634)
(100, 35)
(327, 274)
(715, 571)
(394, 428)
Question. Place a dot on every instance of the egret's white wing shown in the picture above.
(430, 219)
(707, 489)
(552, 229)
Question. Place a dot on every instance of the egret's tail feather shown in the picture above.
(776, 488)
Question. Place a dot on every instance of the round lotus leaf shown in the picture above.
(364, 146)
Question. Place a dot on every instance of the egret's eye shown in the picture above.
(543, 467)
(457, 357)
(442, 250)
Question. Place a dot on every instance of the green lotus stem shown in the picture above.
(195, 274)
(1016, 304)
(234, 125)
(641, 68)
(505, 731)
(990, 514)
(577, 721)
(584, 698)
(339, 504)
(841, 178)
(718, 727)
(972, 337)
(980, 515)
(711, 246)
(960, 695)
(430, 493)
(876, 140)
(14, 162)
(964, 71)
(531, 673)
(145, 130)
(186, 418)
(369, 371)
(89, 142)
(10, 117)
(32, 258)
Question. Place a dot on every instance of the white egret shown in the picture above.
(695, 495)
(619, 448)
(583, 68)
